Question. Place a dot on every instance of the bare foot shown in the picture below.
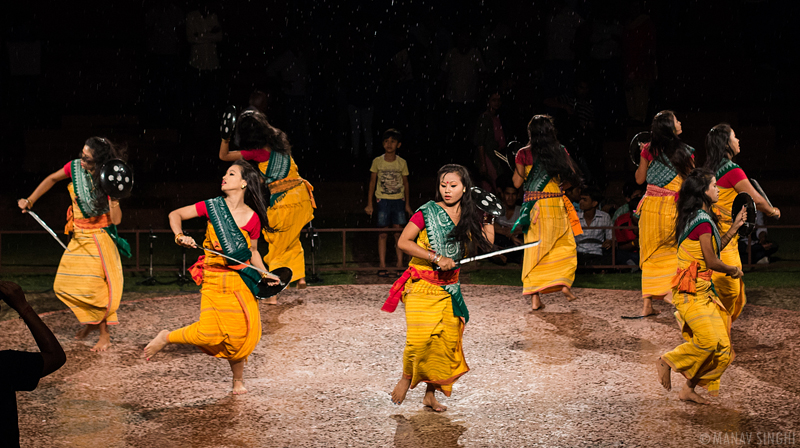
(664, 374)
(103, 344)
(399, 392)
(568, 294)
(647, 308)
(272, 300)
(85, 330)
(301, 284)
(238, 387)
(156, 344)
(536, 302)
(431, 402)
(688, 394)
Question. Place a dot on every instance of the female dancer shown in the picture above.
(665, 161)
(230, 324)
(89, 278)
(545, 169)
(722, 146)
(291, 201)
(703, 319)
(439, 233)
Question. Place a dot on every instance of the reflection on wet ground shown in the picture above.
(426, 429)
(574, 374)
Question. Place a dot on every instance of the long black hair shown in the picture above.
(102, 151)
(469, 230)
(692, 198)
(718, 147)
(546, 148)
(253, 131)
(665, 141)
(254, 196)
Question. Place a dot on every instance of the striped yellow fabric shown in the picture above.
(230, 323)
(433, 352)
(705, 325)
(288, 216)
(89, 278)
(657, 256)
(551, 265)
(730, 290)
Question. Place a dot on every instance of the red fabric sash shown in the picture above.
(438, 278)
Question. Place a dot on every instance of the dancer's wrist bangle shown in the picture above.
(178, 237)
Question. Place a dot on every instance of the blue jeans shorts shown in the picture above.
(391, 211)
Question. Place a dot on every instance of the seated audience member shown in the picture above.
(503, 224)
(22, 370)
(760, 248)
(627, 251)
(593, 245)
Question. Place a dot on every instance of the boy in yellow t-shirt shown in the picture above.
(389, 183)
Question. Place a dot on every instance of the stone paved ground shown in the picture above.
(574, 374)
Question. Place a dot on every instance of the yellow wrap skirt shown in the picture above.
(230, 323)
(551, 265)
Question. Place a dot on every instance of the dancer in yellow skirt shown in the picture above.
(438, 234)
(721, 147)
(704, 320)
(89, 278)
(291, 201)
(665, 161)
(545, 169)
(230, 324)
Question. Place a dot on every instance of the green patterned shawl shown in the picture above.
(724, 167)
(700, 217)
(439, 225)
(85, 191)
(231, 240)
(85, 195)
(536, 181)
(661, 171)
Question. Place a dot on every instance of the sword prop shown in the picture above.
(760, 191)
(49, 230)
(497, 252)
(238, 261)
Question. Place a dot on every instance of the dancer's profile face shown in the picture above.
(451, 188)
(677, 125)
(87, 159)
(733, 142)
(712, 191)
(232, 180)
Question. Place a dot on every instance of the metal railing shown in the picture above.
(137, 248)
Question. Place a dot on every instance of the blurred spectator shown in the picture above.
(461, 69)
(593, 244)
(559, 68)
(203, 32)
(259, 101)
(362, 84)
(163, 23)
(503, 237)
(760, 248)
(627, 251)
(490, 137)
(21, 371)
(291, 69)
(639, 65)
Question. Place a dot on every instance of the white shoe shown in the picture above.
(764, 260)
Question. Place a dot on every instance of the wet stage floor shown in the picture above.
(574, 374)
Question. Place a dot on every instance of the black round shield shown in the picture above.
(228, 123)
(487, 202)
(116, 179)
(266, 291)
(745, 200)
(635, 148)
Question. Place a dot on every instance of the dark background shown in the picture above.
(719, 60)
